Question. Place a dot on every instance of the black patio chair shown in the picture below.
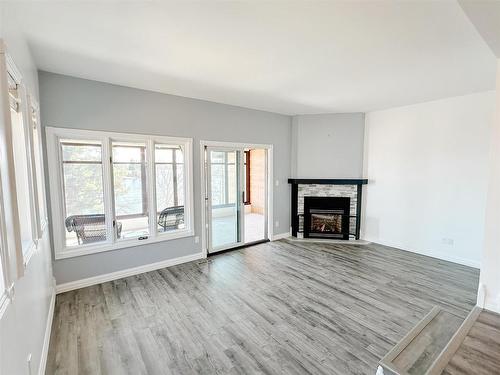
(171, 218)
(89, 228)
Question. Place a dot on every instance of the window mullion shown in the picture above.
(57, 195)
(108, 190)
(151, 186)
(226, 178)
(174, 177)
(144, 182)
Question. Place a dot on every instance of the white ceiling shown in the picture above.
(290, 57)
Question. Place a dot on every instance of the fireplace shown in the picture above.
(327, 217)
(332, 197)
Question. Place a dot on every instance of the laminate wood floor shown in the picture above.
(277, 308)
(479, 353)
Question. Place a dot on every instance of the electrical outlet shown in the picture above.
(277, 183)
(196, 239)
(277, 224)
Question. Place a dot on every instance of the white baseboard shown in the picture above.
(77, 284)
(481, 295)
(437, 255)
(280, 236)
(492, 306)
(48, 330)
(492, 303)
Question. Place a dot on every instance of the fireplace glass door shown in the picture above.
(327, 217)
(326, 221)
(225, 198)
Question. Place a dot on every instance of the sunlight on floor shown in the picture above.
(224, 229)
(254, 227)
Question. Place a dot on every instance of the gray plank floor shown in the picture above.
(479, 353)
(277, 308)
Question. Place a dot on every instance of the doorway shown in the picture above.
(236, 194)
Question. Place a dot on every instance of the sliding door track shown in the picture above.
(253, 243)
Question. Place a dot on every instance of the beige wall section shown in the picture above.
(258, 181)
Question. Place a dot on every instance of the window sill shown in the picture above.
(92, 249)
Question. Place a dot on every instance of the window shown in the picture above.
(130, 190)
(22, 168)
(116, 189)
(18, 207)
(82, 170)
(222, 164)
(169, 176)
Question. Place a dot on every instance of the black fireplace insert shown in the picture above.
(327, 217)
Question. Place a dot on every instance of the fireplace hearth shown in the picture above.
(326, 217)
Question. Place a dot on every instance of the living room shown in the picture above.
(250, 187)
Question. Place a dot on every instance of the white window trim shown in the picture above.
(39, 186)
(23, 255)
(8, 265)
(204, 181)
(6, 295)
(14, 257)
(29, 251)
(53, 134)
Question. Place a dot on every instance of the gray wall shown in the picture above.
(82, 104)
(328, 145)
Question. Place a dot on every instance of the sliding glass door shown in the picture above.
(224, 197)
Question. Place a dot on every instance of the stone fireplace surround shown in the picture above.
(351, 188)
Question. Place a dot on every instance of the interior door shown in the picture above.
(225, 206)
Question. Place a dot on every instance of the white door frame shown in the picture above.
(270, 185)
